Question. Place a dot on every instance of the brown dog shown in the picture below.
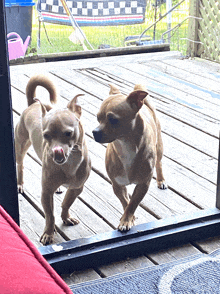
(58, 139)
(130, 126)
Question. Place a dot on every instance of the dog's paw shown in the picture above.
(20, 189)
(126, 223)
(70, 221)
(46, 239)
(162, 185)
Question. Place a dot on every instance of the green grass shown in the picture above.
(109, 35)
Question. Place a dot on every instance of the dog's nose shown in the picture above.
(97, 134)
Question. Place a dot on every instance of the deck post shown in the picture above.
(8, 184)
(218, 180)
(169, 18)
(192, 45)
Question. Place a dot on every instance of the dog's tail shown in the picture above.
(40, 80)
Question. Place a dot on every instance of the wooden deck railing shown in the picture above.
(204, 29)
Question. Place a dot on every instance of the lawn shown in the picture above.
(110, 35)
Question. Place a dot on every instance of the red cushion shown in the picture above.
(22, 268)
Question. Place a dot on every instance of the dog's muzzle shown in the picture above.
(98, 135)
(59, 155)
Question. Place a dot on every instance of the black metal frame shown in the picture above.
(8, 184)
(91, 252)
(142, 239)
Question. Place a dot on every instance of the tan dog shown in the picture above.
(58, 139)
(130, 126)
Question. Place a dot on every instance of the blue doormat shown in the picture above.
(198, 274)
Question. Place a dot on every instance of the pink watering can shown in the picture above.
(16, 48)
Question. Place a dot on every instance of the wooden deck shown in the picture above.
(186, 94)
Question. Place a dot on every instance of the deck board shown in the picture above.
(193, 78)
(199, 67)
(190, 95)
(125, 266)
(186, 94)
(31, 222)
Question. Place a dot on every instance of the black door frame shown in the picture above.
(88, 252)
(8, 183)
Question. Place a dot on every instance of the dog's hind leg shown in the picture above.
(69, 198)
(160, 178)
(22, 143)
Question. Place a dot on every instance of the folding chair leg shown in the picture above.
(38, 35)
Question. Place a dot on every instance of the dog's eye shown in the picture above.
(68, 134)
(46, 136)
(113, 120)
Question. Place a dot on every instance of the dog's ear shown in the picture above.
(140, 87)
(74, 106)
(135, 99)
(113, 90)
(43, 108)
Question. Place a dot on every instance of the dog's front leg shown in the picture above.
(22, 144)
(121, 193)
(127, 219)
(47, 203)
(69, 198)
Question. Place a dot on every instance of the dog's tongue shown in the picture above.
(58, 154)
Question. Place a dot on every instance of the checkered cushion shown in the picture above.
(93, 12)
